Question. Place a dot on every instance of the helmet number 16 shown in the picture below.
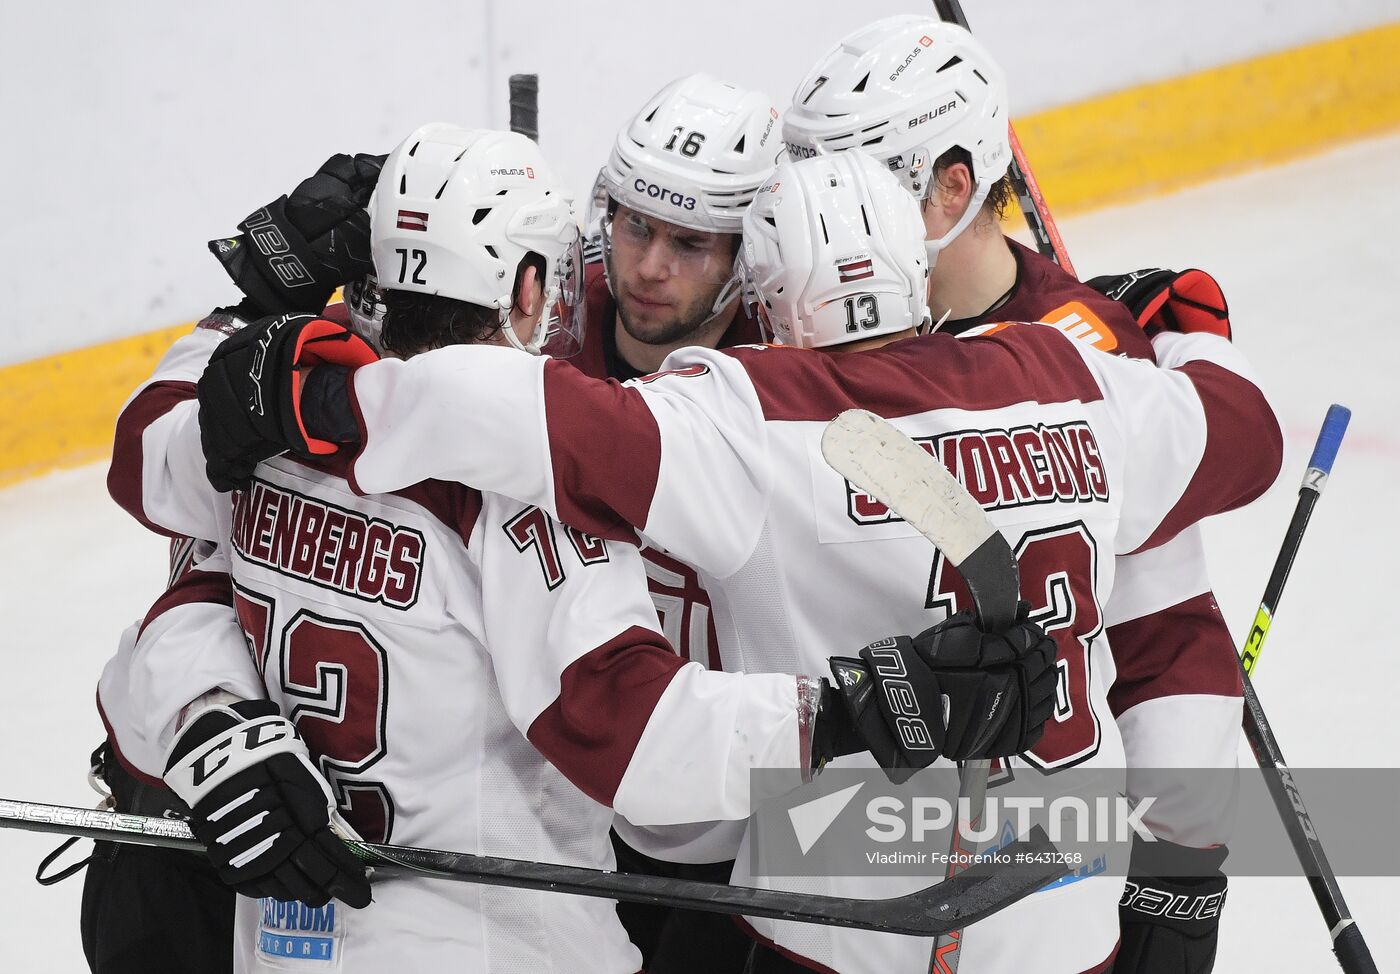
(691, 144)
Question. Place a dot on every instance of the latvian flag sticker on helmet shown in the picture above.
(412, 220)
(851, 270)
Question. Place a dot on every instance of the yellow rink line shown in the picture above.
(59, 411)
(1158, 137)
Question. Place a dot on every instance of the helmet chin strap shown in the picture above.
(532, 347)
(974, 206)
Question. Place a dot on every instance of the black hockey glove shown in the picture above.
(295, 251)
(1170, 924)
(1160, 300)
(261, 808)
(952, 691)
(251, 393)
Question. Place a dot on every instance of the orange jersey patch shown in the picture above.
(1076, 320)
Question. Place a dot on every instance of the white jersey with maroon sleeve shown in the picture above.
(156, 458)
(189, 644)
(469, 674)
(157, 463)
(1077, 456)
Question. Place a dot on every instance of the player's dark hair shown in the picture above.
(1001, 194)
(415, 322)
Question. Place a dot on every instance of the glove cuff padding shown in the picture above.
(851, 724)
(1192, 302)
(221, 741)
(1189, 301)
(322, 342)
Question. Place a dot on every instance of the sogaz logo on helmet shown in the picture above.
(656, 192)
(800, 151)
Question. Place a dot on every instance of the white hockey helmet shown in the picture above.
(455, 212)
(694, 154)
(906, 89)
(833, 252)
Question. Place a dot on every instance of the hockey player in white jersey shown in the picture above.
(716, 459)
(928, 100)
(458, 669)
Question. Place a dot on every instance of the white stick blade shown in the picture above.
(910, 481)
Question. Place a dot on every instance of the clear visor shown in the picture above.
(566, 319)
(647, 249)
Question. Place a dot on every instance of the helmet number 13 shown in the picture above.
(869, 312)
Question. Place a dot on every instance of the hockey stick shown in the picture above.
(525, 105)
(889, 466)
(977, 893)
(1042, 225)
(1329, 440)
(1348, 944)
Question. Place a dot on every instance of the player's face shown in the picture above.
(666, 277)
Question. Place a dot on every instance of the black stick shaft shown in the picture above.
(973, 895)
(1347, 942)
(525, 105)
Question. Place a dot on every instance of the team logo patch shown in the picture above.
(295, 936)
(855, 269)
(412, 220)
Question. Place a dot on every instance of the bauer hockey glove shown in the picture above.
(1169, 914)
(952, 691)
(250, 396)
(1161, 300)
(295, 251)
(261, 808)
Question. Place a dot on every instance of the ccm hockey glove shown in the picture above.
(295, 251)
(1160, 300)
(261, 808)
(251, 393)
(952, 691)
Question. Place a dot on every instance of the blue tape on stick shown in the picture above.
(1329, 438)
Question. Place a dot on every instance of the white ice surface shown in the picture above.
(1305, 254)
